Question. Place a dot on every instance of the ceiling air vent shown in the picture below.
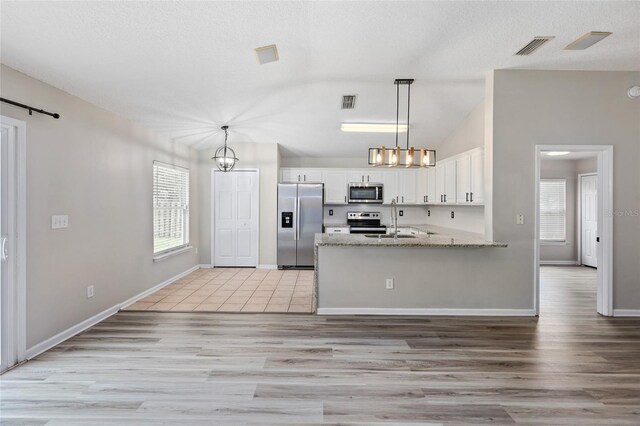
(533, 45)
(348, 101)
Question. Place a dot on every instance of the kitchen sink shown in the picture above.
(387, 236)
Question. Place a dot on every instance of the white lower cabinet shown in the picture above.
(335, 186)
(337, 230)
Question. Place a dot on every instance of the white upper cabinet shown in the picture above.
(445, 182)
(335, 186)
(432, 196)
(450, 182)
(470, 177)
(301, 175)
(477, 177)
(365, 176)
(421, 186)
(463, 179)
(390, 187)
(407, 188)
(439, 186)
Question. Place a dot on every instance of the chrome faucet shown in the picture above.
(394, 216)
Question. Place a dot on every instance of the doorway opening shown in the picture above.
(573, 228)
(12, 243)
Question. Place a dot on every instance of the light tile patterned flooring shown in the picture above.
(234, 290)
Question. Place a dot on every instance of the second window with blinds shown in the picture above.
(170, 209)
(553, 210)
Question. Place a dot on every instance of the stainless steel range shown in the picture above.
(365, 223)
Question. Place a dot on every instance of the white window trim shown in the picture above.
(161, 255)
(170, 253)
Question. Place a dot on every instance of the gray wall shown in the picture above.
(469, 135)
(561, 107)
(264, 157)
(96, 167)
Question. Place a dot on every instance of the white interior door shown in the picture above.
(236, 211)
(589, 219)
(5, 356)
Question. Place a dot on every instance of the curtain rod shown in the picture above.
(30, 108)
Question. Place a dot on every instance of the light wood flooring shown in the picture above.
(570, 367)
(234, 290)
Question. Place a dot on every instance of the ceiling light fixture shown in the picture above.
(587, 40)
(266, 54)
(633, 92)
(396, 156)
(373, 127)
(557, 153)
(225, 157)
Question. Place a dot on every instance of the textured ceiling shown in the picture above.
(186, 68)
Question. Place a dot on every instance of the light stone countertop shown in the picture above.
(441, 237)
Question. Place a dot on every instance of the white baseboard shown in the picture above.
(155, 288)
(427, 311)
(267, 266)
(205, 266)
(626, 312)
(41, 347)
(36, 350)
(559, 262)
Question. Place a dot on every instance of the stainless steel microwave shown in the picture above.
(365, 193)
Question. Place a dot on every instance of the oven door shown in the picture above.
(363, 193)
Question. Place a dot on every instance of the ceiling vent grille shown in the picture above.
(348, 101)
(533, 45)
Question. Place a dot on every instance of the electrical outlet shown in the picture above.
(389, 283)
(330, 212)
(520, 219)
(452, 214)
(401, 213)
(59, 221)
(428, 213)
(89, 292)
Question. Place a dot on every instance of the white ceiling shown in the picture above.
(186, 68)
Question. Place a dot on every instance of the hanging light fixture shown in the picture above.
(225, 157)
(402, 157)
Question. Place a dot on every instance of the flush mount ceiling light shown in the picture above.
(587, 40)
(374, 127)
(396, 156)
(557, 153)
(633, 92)
(225, 157)
(266, 54)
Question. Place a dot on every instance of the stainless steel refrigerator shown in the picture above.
(300, 214)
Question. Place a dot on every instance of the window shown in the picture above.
(170, 208)
(553, 210)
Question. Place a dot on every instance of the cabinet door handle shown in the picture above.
(467, 197)
(305, 178)
(427, 198)
(445, 198)
(367, 178)
(298, 178)
(403, 198)
(471, 198)
(362, 179)
(345, 198)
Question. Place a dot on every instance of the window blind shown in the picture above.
(553, 210)
(170, 207)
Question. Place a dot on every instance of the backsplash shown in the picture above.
(466, 218)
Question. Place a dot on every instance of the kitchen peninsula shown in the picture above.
(353, 273)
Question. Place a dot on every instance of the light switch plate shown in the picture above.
(389, 283)
(520, 219)
(59, 221)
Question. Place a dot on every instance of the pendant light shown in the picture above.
(225, 157)
(402, 157)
